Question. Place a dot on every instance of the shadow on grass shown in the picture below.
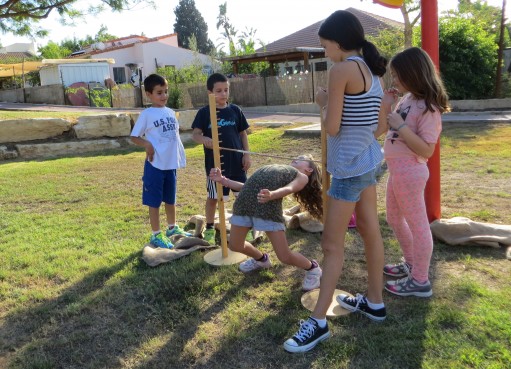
(130, 315)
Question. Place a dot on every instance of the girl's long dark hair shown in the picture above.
(310, 197)
(344, 28)
(417, 73)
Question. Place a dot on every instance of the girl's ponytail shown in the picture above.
(376, 62)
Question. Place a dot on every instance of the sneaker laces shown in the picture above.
(306, 330)
(250, 262)
(403, 280)
(407, 268)
(357, 300)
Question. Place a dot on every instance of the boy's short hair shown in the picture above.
(214, 78)
(153, 80)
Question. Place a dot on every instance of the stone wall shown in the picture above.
(51, 137)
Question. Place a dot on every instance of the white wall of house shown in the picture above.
(67, 74)
(19, 47)
(151, 55)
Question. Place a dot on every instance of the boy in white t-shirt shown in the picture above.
(157, 130)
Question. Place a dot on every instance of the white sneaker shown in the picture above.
(312, 279)
(252, 264)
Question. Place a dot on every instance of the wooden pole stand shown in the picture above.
(224, 256)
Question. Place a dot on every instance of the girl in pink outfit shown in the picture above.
(413, 130)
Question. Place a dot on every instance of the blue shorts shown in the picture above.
(158, 185)
(349, 189)
(257, 224)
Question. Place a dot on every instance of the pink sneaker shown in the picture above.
(353, 221)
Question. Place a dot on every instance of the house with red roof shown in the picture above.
(136, 57)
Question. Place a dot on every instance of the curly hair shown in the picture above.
(310, 197)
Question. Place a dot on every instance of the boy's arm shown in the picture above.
(149, 149)
(246, 161)
(199, 137)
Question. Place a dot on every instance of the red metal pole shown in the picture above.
(429, 27)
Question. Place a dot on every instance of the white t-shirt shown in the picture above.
(161, 128)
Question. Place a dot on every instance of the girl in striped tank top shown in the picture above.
(349, 109)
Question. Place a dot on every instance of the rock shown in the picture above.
(18, 130)
(185, 118)
(6, 154)
(44, 150)
(110, 125)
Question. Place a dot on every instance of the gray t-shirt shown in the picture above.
(271, 177)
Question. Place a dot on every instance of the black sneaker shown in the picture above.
(309, 335)
(359, 303)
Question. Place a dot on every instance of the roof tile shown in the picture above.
(308, 36)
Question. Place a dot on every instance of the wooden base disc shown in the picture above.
(215, 257)
(309, 300)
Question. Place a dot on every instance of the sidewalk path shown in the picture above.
(271, 117)
(468, 117)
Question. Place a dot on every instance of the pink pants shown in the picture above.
(406, 213)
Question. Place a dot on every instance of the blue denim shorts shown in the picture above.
(349, 189)
(257, 223)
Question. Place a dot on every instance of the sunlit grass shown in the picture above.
(74, 292)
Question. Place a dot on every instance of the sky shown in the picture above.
(272, 19)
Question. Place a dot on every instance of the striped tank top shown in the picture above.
(354, 150)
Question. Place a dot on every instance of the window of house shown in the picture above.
(289, 70)
(119, 75)
(321, 66)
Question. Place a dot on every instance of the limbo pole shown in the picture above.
(218, 164)
(226, 257)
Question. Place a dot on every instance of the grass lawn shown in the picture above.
(75, 294)
(71, 116)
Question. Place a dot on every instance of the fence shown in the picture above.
(259, 91)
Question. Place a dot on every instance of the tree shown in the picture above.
(57, 51)
(20, 17)
(189, 22)
(468, 58)
(488, 18)
(229, 32)
(411, 15)
(244, 44)
(408, 9)
(388, 42)
(53, 51)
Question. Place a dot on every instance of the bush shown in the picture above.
(468, 60)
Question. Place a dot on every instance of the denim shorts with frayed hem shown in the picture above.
(257, 223)
(349, 189)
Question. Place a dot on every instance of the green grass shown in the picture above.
(71, 116)
(74, 292)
